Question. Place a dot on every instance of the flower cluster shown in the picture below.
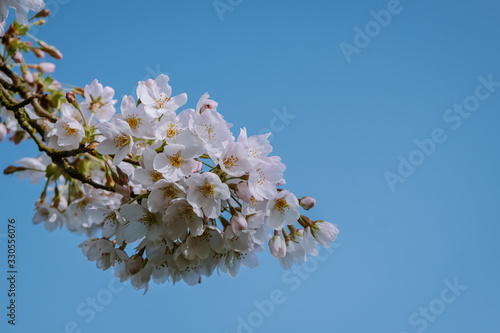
(162, 191)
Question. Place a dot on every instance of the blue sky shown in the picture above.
(426, 244)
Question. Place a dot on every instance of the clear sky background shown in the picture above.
(352, 121)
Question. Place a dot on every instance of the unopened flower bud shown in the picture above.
(11, 169)
(324, 232)
(28, 76)
(38, 53)
(123, 177)
(198, 168)
(277, 246)
(71, 98)
(51, 50)
(123, 190)
(238, 223)
(39, 22)
(135, 264)
(307, 202)
(17, 57)
(243, 192)
(79, 91)
(42, 13)
(46, 67)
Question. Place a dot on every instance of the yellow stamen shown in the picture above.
(281, 204)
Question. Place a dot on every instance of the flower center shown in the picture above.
(176, 160)
(207, 190)
(262, 178)
(172, 131)
(169, 192)
(134, 122)
(187, 213)
(121, 140)
(147, 219)
(280, 205)
(70, 131)
(155, 175)
(162, 101)
(231, 162)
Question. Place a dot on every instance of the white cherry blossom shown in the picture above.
(205, 192)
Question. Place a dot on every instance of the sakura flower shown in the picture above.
(205, 192)
(68, 110)
(210, 239)
(99, 101)
(175, 162)
(241, 241)
(204, 103)
(69, 132)
(213, 130)
(33, 168)
(309, 243)
(180, 217)
(162, 194)
(141, 279)
(283, 209)
(147, 174)
(138, 221)
(102, 251)
(140, 123)
(10, 120)
(78, 220)
(118, 139)
(49, 216)
(174, 129)
(264, 177)
(295, 254)
(108, 218)
(234, 160)
(325, 232)
(235, 259)
(257, 146)
(156, 96)
(22, 8)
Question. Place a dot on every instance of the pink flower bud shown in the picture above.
(42, 13)
(51, 50)
(70, 97)
(199, 166)
(17, 57)
(38, 53)
(28, 76)
(307, 202)
(243, 192)
(46, 67)
(238, 223)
